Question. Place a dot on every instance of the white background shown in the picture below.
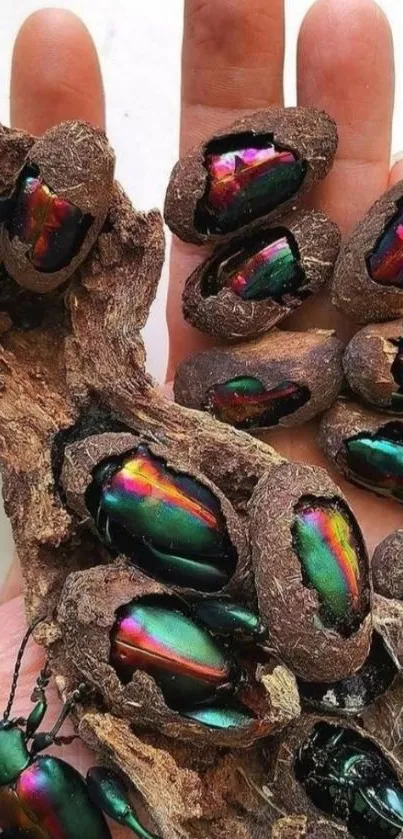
(139, 46)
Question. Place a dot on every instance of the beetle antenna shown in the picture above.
(17, 667)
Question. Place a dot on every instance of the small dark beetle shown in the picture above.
(42, 797)
(347, 776)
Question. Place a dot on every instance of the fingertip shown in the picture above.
(55, 73)
(328, 13)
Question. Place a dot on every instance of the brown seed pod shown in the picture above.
(319, 625)
(366, 447)
(388, 620)
(58, 205)
(229, 572)
(282, 379)
(230, 296)
(373, 364)
(228, 182)
(387, 566)
(300, 785)
(14, 147)
(368, 278)
(88, 613)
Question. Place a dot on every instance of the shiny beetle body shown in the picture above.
(183, 658)
(43, 797)
(167, 522)
(346, 776)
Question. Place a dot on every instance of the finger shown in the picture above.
(55, 73)
(12, 585)
(345, 66)
(232, 62)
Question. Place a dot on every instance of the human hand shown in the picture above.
(232, 63)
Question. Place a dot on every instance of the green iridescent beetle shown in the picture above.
(43, 797)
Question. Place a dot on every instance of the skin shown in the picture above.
(232, 63)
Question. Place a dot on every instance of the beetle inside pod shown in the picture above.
(245, 403)
(265, 266)
(168, 523)
(352, 695)
(152, 634)
(51, 228)
(346, 776)
(385, 263)
(249, 175)
(375, 460)
(330, 550)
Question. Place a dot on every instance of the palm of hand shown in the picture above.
(232, 62)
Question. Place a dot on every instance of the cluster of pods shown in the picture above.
(206, 615)
(268, 264)
(242, 194)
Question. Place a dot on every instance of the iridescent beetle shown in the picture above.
(347, 776)
(43, 797)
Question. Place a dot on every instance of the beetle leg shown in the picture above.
(45, 739)
(108, 791)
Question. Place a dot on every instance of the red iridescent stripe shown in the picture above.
(143, 478)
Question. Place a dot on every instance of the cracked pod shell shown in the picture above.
(286, 790)
(87, 614)
(372, 365)
(216, 309)
(365, 446)
(310, 135)
(74, 164)
(387, 566)
(294, 604)
(77, 477)
(310, 361)
(354, 291)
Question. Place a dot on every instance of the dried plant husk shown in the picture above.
(368, 362)
(309, 133)
(81, 373)
(309, 359)
(354, 292)
(221, 312)
(346, 420)
(289, 608)
(81, 457)
(14, 147)
(75, 161)
(387, 566)
(87, 613)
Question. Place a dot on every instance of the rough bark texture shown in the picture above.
(353, 290)
(387, 566)
(368, 360)
(311, 134)
(226, 315)
(310, 359)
